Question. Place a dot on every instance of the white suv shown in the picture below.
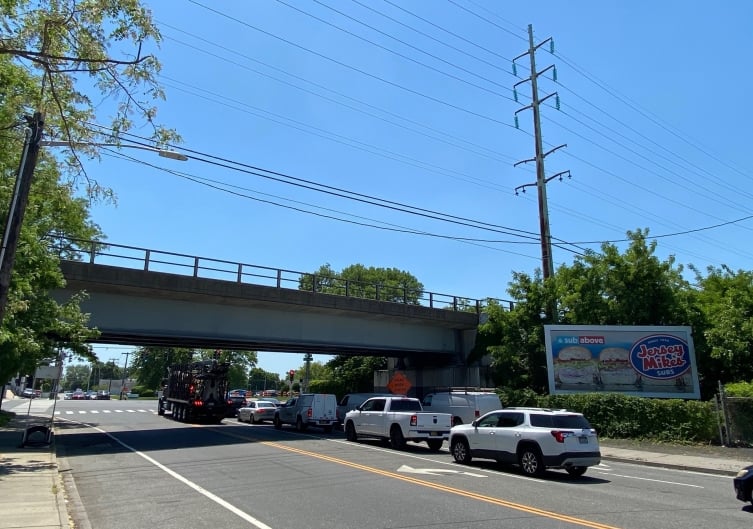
(534, 438)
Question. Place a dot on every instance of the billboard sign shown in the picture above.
(645, 361)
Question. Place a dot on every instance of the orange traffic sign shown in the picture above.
(399, 384)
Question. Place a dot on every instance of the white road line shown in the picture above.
(656, 480)
(198, 488)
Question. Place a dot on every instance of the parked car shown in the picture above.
(235, 402)
(28, 393)
(743, 484)
(102, 395)
(78, 395)
(257, 411)
(533, 438)
(465, 405)
(68, 395)
(351, 401)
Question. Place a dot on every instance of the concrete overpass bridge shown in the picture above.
(142, 297)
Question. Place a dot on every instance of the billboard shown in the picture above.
(644, 361)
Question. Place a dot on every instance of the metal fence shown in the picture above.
(105, 253)
(736, 419)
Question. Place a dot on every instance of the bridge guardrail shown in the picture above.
(149, 260)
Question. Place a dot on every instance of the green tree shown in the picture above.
(54, 58)
(385, 284)
(259, 379)
(607, 288)
(76, 376)
(725, 301)
(355, 374)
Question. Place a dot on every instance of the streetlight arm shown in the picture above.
(173, 155)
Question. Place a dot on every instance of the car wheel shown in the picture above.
(160, 408)
(396, 438)
(299, 425)
(350, 432)
(434, 444)
(252, 418)
(530, 460)
(277, 422)
(576, 471)
(460, 450)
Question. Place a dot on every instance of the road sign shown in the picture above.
(399, 384)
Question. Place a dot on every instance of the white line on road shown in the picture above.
(656, 480)
(198, 488)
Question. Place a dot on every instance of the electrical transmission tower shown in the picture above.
(541, 179)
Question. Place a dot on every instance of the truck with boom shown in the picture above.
(195, 391)
(397, 420)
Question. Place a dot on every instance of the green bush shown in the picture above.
(618, 416)
(739, 389)
(147, 393)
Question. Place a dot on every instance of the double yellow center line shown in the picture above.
(445, 488)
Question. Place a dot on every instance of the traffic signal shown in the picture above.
(291, 375)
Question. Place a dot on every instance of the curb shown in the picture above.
(673, 466)
(71, 508)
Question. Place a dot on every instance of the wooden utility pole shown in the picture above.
(17, 208)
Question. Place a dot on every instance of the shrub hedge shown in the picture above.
(618, 416)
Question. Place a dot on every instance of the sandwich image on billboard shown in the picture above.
(649, 361)
(575, 365)
(615, 368)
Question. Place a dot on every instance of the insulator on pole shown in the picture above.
(517, 125)
(551, 46)
(514, 69)
(515, 94)
(557, 101)
(554, 74)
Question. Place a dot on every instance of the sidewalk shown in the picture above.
(32, 491)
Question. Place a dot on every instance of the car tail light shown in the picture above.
(198, 403)
(560, 435)
(477, 413)
(414, 420)
(309, 413)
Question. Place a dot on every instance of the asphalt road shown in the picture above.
(135, 469)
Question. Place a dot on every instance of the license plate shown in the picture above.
(583, 440)
(323, 422)
(433, 434)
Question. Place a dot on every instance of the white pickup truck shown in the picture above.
(397, 420)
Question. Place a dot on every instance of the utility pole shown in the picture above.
(17, 208)
(122, 381)
(541, 180)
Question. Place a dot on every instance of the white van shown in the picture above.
(308, 409)
(464, 405)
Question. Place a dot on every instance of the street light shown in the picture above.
(173, 155)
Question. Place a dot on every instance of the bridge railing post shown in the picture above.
(279, 278)
(240, 272)
(455, 303)
(378, 289)
(431, 300)
(147, 255)
(196, 267)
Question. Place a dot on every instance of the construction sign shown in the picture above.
(399, 384)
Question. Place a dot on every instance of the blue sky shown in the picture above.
(413, 102)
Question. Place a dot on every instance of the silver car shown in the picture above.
(257, 411)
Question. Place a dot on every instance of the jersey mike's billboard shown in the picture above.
(638, 360)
